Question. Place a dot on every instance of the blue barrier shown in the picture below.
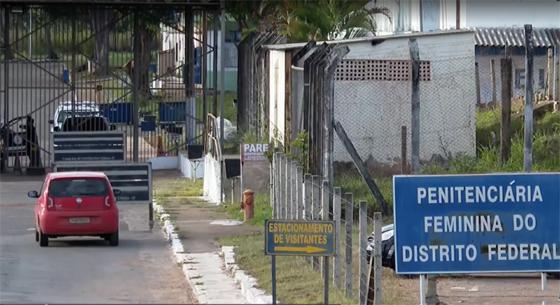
(172, 111)
(117, 112)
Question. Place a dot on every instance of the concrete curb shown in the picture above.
(172, 237)
(246, 282)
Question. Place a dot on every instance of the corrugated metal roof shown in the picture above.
(514, 37)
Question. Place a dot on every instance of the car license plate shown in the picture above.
(79, 220)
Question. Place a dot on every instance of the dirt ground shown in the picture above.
(491, 289)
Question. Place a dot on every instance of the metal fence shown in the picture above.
(296, 195)
(137, 69)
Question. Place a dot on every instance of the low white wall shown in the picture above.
(164, 162)
(193, 169)
(212, 188)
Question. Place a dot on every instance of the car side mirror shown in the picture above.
(51, 122)
(116, 192)
(33, 194)
(56, 128)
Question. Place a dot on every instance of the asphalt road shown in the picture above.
(83, 270)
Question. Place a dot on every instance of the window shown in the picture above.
(519, 78)
(77, 187)
(541, 78)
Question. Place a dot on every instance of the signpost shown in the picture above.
(254, 152)
(299, 238)
(477, 223)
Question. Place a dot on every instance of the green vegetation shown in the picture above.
(166, 189)
(546, 152)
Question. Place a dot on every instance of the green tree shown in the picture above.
(333, 19)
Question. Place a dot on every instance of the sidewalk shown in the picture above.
(198, 225)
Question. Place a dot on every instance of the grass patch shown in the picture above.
(298, 283)
(164, 189)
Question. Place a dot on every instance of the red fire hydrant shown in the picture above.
(247, 204)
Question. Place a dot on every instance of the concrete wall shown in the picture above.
(212, 188)
(372, 112)
(193, 169)
(539, 62)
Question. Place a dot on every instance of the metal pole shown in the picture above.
(326, 280)
(422, 289)
(222, 70)
(6, 81)
(204, 72)
(215, 67)
(377, 258)
(135, 87)
(273, 279)
(30, 25)
(528, 149)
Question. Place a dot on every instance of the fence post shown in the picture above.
(404, 156)
(337, 201)
(316, 206)
(377, 263)
(307, 196)
(274, 181)
(282, 190)
(288, 202)
(295, 190)
(349, 221)
(550, 75)
(300, 193)
(493, 80)
(477, 81)
(505, 138)
(325, 208)
(415, 111)
(528, 149)
(362, 250)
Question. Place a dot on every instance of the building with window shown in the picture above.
(498, 27)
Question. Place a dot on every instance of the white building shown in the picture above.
(498, 25)
(372, 94)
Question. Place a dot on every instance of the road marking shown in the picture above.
(30, 229)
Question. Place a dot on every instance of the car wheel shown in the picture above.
(114, 239)
(43, 239)
(36, 235)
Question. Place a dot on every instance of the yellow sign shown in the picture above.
(310, 238)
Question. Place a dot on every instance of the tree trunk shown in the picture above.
(146, 41)
(101, 19)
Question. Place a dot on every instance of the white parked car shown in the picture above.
(81, 109)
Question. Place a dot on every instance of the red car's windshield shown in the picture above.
(77, 187)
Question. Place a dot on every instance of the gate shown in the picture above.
(93, 67)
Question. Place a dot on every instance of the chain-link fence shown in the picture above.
(299, 196)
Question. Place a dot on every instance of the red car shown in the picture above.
(76, 204)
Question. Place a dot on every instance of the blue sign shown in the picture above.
(477, 223)
(302, 238)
